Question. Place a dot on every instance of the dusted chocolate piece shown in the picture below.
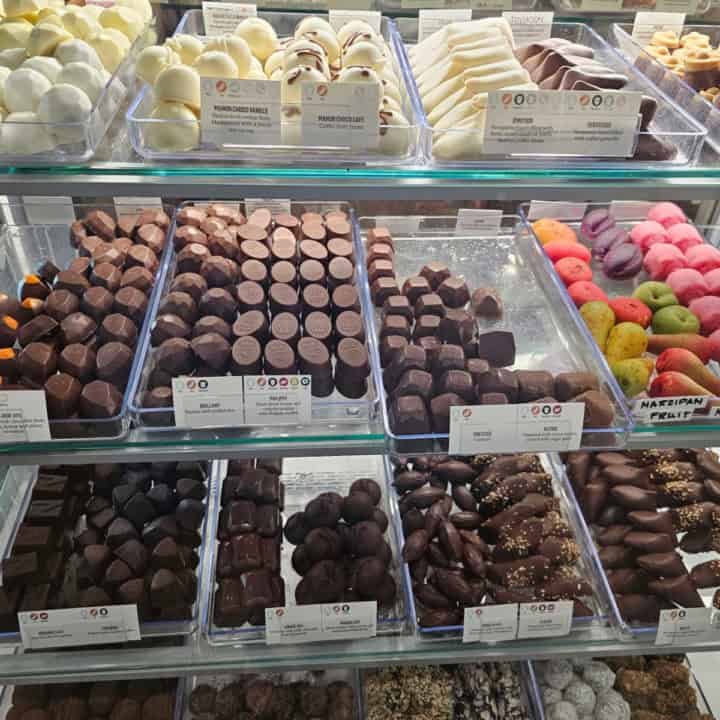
(97, 302)
(100, 400)
(212, 324)
(180, 304)
(37, 361)
(212, 350)
(486, 303)
(138, 277)
(190, 283)
(219, 271)
(166, 327)
(113, 363)
(58, 305)
(131, 302)
(497, 347)
(176, 356)
(62, 395)
(76, 328)
(118, 328)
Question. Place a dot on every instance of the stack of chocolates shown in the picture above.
(274, 698)
(250, 536)
(433, 357)
(643, 507)
(270, 294)
(342, 554)
(133, 700)
(485, 530)
(73, 331)
(109, 534)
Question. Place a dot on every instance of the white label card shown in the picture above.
(527, 427)
(340, 114)
(657, 411)
(433, 20)
(208, 402)
(493, 4)
(599, 124)
(277, 206)
(318, 623)
(415, 4)
(648, 23)
(601, 5)
(277, 399)
(339, 17)
(23, 416)
(530, 27)
(43, 629)
(240, 112)
(400, 225)
(221, 18)
(687, 7)
(686, 626)
(556, 210)
(130, 205)
(490, 623)
(48, 210)
(545, 619)
(483, 222)
(629, 209)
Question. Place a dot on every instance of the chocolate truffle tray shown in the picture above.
(398, 141)
(103, 535)
(273, 294)
(310, 535)
(510, 520)
(74, 302)
(449, 329)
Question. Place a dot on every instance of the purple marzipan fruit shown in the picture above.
(608, 239)
(595, 222)
(623, 261)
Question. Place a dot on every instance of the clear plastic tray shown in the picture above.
(671, 124)
(23, 248)
(14, 503)
(549, 333)
(683, 94)
(304, 479)
(624, 288)
(140, 123)
(598, 7)
(587, 564)
(333, 410)
(78, 141)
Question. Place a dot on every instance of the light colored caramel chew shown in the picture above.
(666, 38)
(701, 60)
(657, 51)
(711, 93)
(672, 63)
(695, 39)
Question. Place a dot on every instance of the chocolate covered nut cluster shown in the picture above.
(484, 530)
(72, 331)
(108, 534)
(435, 357)
(132, 700)
(341, 549)
(268, 294)
(648, 509)
(274, 698)
(250, 535)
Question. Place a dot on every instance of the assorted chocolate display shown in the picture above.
(108, 534)
(647, 510)
(135, 699)
(73, 331)
(296, 696)
(268, 294)
(485, 530)
(434, 357)
(249, 533)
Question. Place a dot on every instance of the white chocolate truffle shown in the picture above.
(274, 62)
(152, 60)
(390, 89)
(182, 133)
(12, 58)
(611, 705)
(313, 23)
(328, 40)
(188, 47)
(45, 38)
(581, 695)
(24, 134)
(216, 64)
(360, 75)
(23, 8)
(303, 43)
(354, 27)
(24, 88)
(255, 74)
(394, 133)
(260, 35)
(110, 48)
(236, 48)
(277, 74)
(48, 66)
(77, 51)
(141, 6)
(309, 58)
(80, 24)
(550, 696)
(85, 77)
(94, 11)
(293, 80)
(179, 83)
(562, 711)
(49, 15)
(598, 676)
(128, 21)
(364, 54)
(558, 674)
(388, 103)
(14, 34)
(65, 104)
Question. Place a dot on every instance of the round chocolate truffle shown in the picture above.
(118, 328)
(138, 277)
(212, 350)
(113, 363)
(212, 324)
(131, 302)
(100, 400)
(77, 328)
(79, 361)
(193, 284)
(62, 395)
(219, 271)
(97, 302)
(218, 301)
(181, 304)
(168, 326)
(175, 356)
(61, 303)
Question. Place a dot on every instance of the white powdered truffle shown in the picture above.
(14, 34)
(85, 77)
(236, 48)
(24, 88)
(562, 711)
(550, 696)
(188, 47)
(77, 51)
(153, 60)
(180, 134)
(260, 35)
(24, 134)
(12, 58)
(611, 705)
(598, 676)
(293, 80)
(45, 38)
(80, 24)
(124, 19)
(179, 83)
(47, 66)
(216, 64)
(558, 673)
(65, 104)
(111, 46)
(581, 695)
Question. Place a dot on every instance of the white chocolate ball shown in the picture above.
(94, 11)
(110, 48)
(24, 134)
(351, 28)
(388, 103)
(293, 80)
(143, 7)
(14, 35)
(277, 74)
(256, 73)
(4, 73)
(12, 58)
(83, 76)
(260, 35)
(303, 43)
(364, 54)
(236, 48)
(24, 88)
(23, 8)
(312, 23)
(274, 62)
(45, 38)
(180, 134)
(128, 21)
(152, 60)
(394, 133)
(328, 40)
(359, 75)
(50, 15)
(188, 47)
(216, 64)
(80, 24)
(48, 66)
(77, 51)
(317, 60)
(3, 115)
(65, 104)
(179, 83)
